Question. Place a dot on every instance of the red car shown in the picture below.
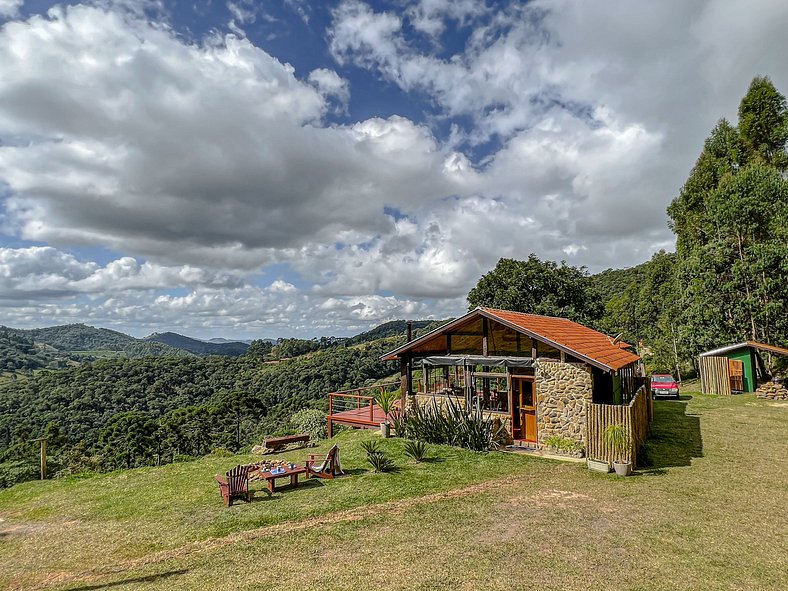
(664, 385)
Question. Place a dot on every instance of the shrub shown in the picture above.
(449, 423)
(12, 473)
(564, 444)
(312, 421)
(415, 449)
(221, 452)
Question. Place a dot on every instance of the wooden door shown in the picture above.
(528, 411)
(736, 373)
(523, 409)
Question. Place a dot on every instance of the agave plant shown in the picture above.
(380, 462)
(377, 458)
(371, 447)
(450, 423)
(415, 449)
(399, 422)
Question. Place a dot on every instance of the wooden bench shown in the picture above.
(277, 443)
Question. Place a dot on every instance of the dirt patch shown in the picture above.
(21, 530)
(522, 508)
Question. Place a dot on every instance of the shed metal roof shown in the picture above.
(744, 344)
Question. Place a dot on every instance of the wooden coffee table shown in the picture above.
(270, 479)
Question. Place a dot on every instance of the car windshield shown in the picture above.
(662, 379)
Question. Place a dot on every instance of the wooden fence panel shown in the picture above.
(714, 375)
(636, 418)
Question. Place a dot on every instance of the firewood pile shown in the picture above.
(772, 391)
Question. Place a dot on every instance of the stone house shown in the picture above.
(536, 374)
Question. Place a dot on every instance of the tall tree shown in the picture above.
(538, 287)
(731, 244)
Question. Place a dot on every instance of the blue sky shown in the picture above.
(305, 168)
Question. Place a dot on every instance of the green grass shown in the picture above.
(708, 512)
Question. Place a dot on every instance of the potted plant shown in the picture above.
(386, 401)
(617, 437)
(598, 465)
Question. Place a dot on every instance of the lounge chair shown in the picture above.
(234, 484)
(330, 467)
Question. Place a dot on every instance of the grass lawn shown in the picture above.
(709, 512)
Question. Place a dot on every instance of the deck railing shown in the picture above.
(635, 417)
(357, 405)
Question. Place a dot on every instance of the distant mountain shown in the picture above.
(196, 346)
(394, 328)
(82, 338)
(220, 340)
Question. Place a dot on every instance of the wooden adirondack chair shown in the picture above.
(328, 468)
(234, 483)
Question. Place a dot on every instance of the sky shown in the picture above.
(291, 168)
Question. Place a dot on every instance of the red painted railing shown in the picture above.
(357, 405)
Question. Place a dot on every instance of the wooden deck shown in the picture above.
(371, 417)
(356, 407)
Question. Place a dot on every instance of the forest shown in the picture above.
(724, 284)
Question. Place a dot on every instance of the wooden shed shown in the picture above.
(735, 368)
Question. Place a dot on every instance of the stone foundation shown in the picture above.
(561, 392)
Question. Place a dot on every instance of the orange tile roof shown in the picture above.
(570, 336)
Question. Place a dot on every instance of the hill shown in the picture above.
(394, 328)
(223, 340)
(198, 347)
(222, 401)
(93, 342)
(20, 353)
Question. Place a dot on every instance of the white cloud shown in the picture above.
(430, 16)
(10, 8)
(42, 272)
(211, 154)
(331, 85)
(204, 162)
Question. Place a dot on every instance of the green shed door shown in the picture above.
(746, 357)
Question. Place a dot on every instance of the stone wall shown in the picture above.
(561, 389)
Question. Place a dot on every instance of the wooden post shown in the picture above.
(409, 376)
(403, 382)
(533, 349)
(485, 330)
(43, 459)
(448, 344)
(43, 441)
